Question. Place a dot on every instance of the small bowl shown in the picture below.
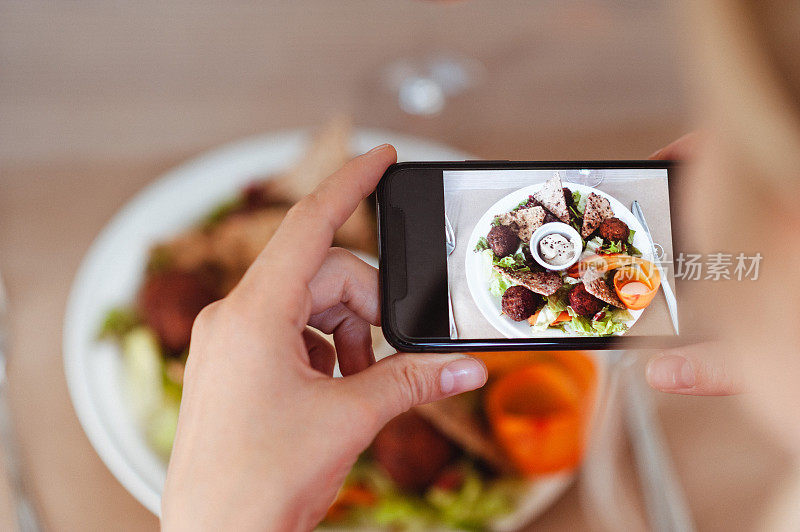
(564, 230)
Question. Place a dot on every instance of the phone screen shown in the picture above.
(499, 255)
(558, 253)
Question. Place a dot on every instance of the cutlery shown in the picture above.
(663, 497)
(672, 304)
(25, 516)
(450, 245)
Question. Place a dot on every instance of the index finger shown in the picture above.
(300, 245)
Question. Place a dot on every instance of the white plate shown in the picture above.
(112, 270)
(478, 281)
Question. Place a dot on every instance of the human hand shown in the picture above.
(699, 369)
(265, 435)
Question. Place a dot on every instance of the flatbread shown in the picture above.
(455, 418)
(551, 195)
(597, 209)
(328, 151)
(524, 221)
(595, 284)
(544, 283)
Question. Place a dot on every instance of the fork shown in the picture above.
(450, 246)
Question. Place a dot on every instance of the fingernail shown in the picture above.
(670, 372)
(462, 375)
(377, 148)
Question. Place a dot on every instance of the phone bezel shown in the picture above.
(445, 344)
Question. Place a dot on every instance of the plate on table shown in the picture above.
(475, 267)
(112, 271)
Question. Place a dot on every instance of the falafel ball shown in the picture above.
(614, 229)
(583, 302)
(502, 240)
(519, 303)
(412, 451)
(170, 300)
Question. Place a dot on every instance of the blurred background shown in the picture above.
(98, 99)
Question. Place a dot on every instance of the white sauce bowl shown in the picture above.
(559, 228)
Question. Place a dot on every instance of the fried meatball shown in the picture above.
(519, 303)
(613, 229)
(412, 451)
(170, 300)
(502, 240)
(583, 302)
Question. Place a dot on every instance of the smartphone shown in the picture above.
(502, 255)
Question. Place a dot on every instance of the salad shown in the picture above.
(475, 461)
(203, 263)
(586, 284)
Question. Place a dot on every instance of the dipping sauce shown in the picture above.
(634, 288)
(556, 249)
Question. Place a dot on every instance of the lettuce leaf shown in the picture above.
(555, 305)
(613, 321)
(498, 284)
(579, 202)
(594, 244)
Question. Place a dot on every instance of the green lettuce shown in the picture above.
(516, 261)
(555, 305)
(613, 321)
(498, 284)
(119, 322)
(471, 506)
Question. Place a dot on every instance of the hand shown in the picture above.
(265, 435)
(700, 369)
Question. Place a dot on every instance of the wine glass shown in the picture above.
(584, 176)
(423, 80)
(422, 85)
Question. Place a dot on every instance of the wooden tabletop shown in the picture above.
(98, 99)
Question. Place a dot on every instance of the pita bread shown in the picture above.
(551, 195)
(596, 284)
(597, 209)
(524, 221)
(544, 283)
(328, 151)
(455, 418)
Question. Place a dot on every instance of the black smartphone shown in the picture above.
(501, 255)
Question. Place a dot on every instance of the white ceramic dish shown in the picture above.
(557, 228)
(478, 281)
(112, 270)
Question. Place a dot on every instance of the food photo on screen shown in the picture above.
(552, 253)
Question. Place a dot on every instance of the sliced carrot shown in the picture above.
(602, 263)
(349, 497)
(533, 317)
(564, 316)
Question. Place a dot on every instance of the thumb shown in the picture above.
(399, 382)
(699, 369)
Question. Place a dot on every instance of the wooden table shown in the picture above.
(98, 99)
